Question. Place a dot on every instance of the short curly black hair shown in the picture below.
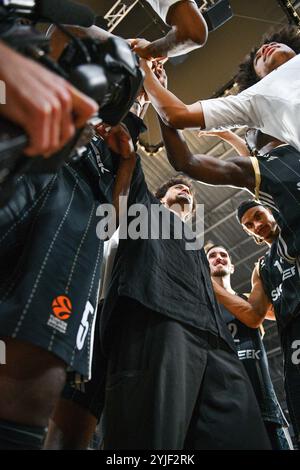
(289, 35)
(180, 179)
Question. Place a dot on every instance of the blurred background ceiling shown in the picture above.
(202, 74)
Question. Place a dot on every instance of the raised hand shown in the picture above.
(142, 48)
(117, 139)
(159, 71)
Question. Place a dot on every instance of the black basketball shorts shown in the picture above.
(50, 261)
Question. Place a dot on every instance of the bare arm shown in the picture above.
(123, 182)
(254, 300)
(270, 315)
(189, 31)
(170, 108)
(251, 312)
(235, 171)
(231, 138)
(119, 141)
(238, 307)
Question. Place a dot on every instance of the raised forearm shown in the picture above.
(205, 168)
(173, 44)
(189, 31)
(170, 108)
(177, 150)
(236, 142)
(123, 182)
(239, 307)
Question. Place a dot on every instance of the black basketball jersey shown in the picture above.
(252, 353)
(277, 177)
(281, 283)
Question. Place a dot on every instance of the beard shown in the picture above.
(220, 272)
(183, 198)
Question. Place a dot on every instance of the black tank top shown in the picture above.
(251, 352)
(281, 283)
(278, 186)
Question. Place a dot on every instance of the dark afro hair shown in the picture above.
(289, 35)
(180, 179)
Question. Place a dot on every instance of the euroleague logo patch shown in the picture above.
(62, 307)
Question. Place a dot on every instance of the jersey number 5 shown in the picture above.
(84, 326)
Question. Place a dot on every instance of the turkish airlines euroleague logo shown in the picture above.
(62, 307)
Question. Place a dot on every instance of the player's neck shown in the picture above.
(224, 281)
